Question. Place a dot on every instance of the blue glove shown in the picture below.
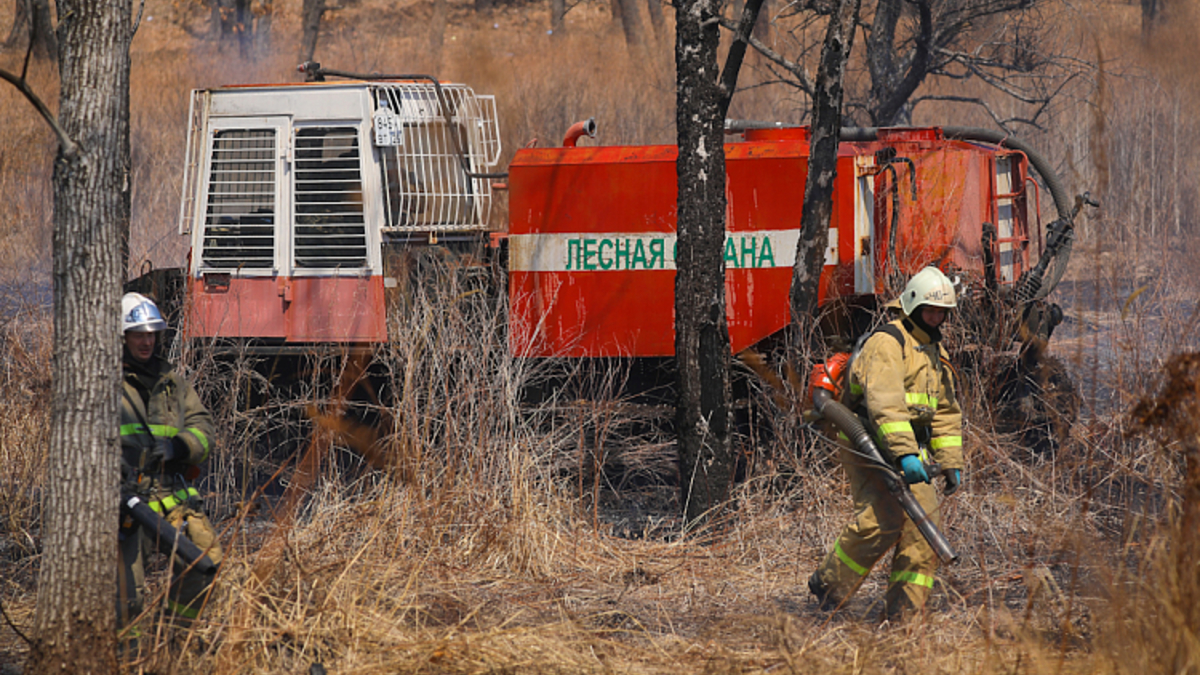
(914, 470)
(953, 480)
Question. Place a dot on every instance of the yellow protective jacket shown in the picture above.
(170, 407)
(905, 387)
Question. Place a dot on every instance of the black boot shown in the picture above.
(827, 601)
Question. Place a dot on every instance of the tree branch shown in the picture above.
(8, 620)
(889, 96)
(737, 52)
(1002, 123)
(32, 38)
(804, 81)
(138, 21)
(978, 69)
(70, 148)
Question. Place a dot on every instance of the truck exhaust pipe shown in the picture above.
(585, 128)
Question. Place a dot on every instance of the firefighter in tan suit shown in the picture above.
(165, 432)
(902, 386)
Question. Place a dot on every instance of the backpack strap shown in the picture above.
(888, 328)
(892, 331)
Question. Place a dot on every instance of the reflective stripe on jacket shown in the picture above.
(904, 387)
(173, 410)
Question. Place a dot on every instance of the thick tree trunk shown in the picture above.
(245, 27)
(702, 349)
(75, 620)
(632, 25)
(762, 24)
(236, 18)
(437, 34)
(1151, 16)
(558, 14)
(45, 43)
(655, 8)
(890, 88)
(822, 161)
(737, 52)
(310, 21)
(20, 24)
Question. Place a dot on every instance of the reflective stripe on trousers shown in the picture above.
(171, 501)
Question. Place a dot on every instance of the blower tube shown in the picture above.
(169, 540)
(849, 424)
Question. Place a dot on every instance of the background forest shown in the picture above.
(496, 539)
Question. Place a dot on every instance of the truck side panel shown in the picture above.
(292, 309)
(592, 247)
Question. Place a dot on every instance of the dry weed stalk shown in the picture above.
(479, 540)
(24, 424)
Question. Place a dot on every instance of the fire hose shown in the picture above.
(849, 424)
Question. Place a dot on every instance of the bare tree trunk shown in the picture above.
(437, 33)
(76, 619)
(631, 24)
(215, 28)
(762, 25)
(655, 8)
(244, 27)
(1151, 16)
(822, 161)
(310, 19)
(236, 18)
(702, 349)
(890, 88)
(737, 53)
(45, 43)
(558, 18)
(20, 24)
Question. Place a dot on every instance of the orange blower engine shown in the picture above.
(828, 376)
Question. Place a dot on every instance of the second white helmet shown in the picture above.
(139, 313)
(928, 287)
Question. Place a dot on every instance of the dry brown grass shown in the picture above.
(488, 542)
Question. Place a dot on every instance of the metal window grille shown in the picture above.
(329, 231)
(427, 187)
(239, 223)
(192, 160)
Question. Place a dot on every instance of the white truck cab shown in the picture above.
(292, 191)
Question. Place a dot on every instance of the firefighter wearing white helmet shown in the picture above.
(165, 433)
(903, 388)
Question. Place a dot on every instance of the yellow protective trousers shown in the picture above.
(189, 589)
(879, 525)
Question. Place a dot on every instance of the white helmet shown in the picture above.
(928, 287)
(140, 314)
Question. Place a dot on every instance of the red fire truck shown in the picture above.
(304, 202)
